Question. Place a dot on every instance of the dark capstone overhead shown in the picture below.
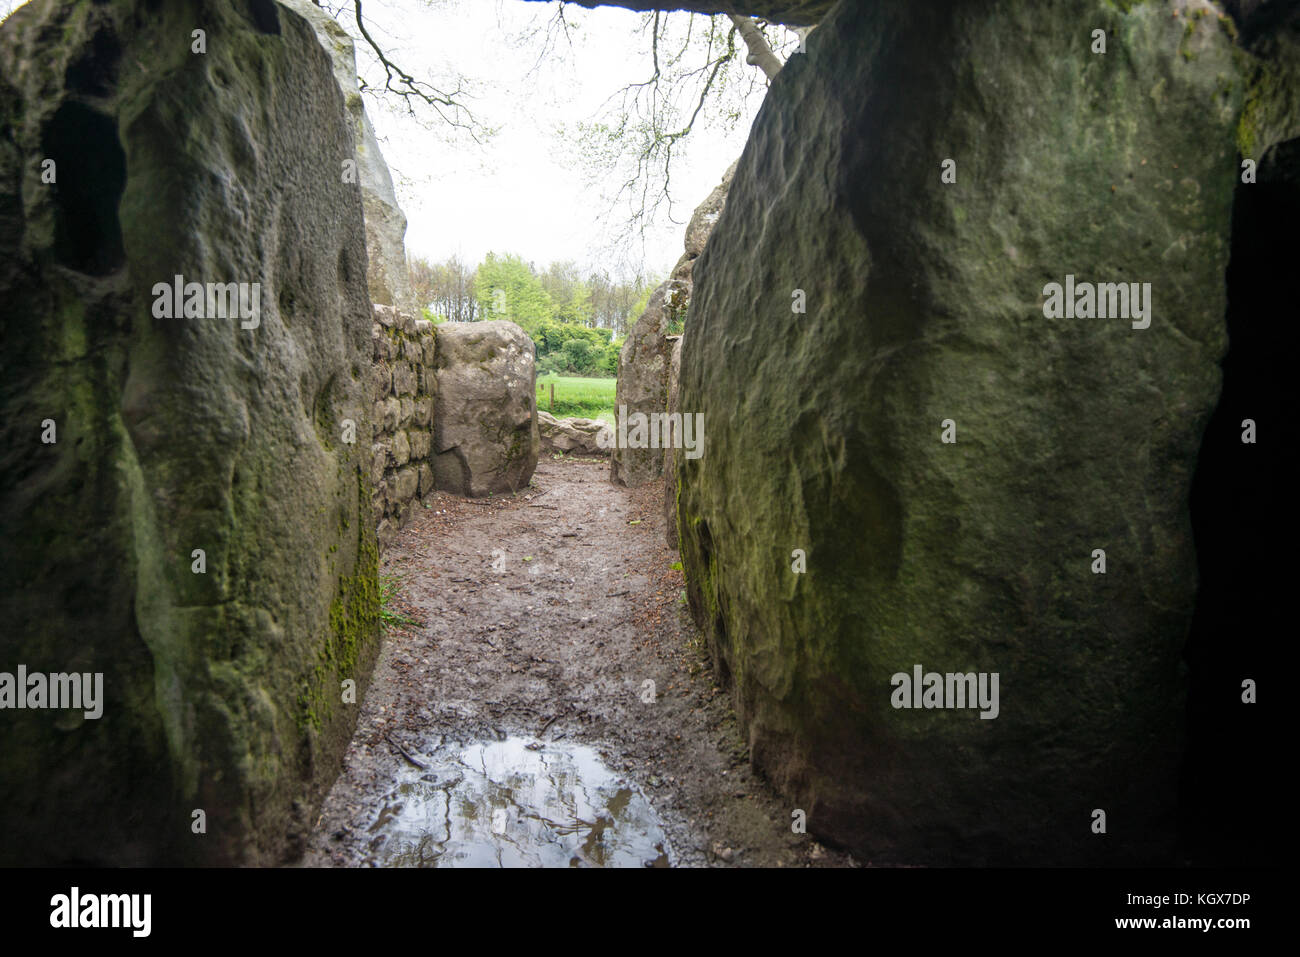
(792, 12)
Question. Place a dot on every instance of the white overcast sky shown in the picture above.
(521, 192)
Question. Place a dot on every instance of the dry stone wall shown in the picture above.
(403, 386)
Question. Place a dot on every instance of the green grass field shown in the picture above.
(576, 397)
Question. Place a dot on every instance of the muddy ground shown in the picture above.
(555, 644)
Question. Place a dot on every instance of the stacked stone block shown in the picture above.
(403, 386)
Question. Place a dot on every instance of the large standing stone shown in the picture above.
(197, 530)
(642, 387)
(925, 310)
(670, 465)
(389, 279)
(485, 413)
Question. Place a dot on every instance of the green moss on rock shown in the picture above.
(353, 624)
(178, 434)
(824, 432)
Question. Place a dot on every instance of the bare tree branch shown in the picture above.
(703, 80)
(448, 105)
(760, 54)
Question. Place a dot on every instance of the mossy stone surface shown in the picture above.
(925, 304)
(174, 434)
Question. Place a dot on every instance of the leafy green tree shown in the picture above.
(578, 355)
(639, 306)
(506, 288)
(548, 336)
(607, 364)
(555, 306)
(578, 307)
(444, 290)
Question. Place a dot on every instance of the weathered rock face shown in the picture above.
(485, 414)
(403, 384)
(1270, 31)
(583, 436)
(643, 361)
(180, 509)
(925, 309)
(670, 463)
(702, 222)
(390, 282)
(643, 384)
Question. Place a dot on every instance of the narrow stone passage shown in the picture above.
(519, 699)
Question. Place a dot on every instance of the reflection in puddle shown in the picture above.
(517, 803)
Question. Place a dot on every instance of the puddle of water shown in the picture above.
(517, 803)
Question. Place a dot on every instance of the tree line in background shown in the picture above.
(576, 321)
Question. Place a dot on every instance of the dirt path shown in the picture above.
(551, 647)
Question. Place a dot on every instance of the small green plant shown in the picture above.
(390, 616)
(676, 566)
